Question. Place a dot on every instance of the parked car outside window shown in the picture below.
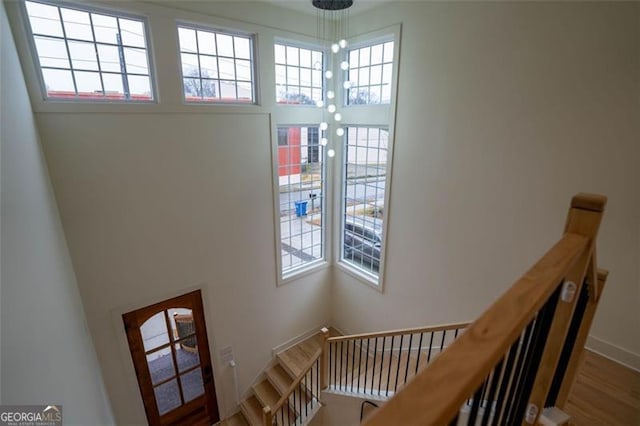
(362, 243)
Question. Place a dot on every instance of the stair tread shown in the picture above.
(252, 410)
(279, 378)
(266, 393)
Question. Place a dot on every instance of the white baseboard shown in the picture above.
(614, 352)
(292, 342)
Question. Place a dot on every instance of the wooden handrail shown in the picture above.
(269, 411)
(436, 394)
(415, 330)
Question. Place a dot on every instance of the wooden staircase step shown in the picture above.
(266, 393)
(252, 410)
(279, 378)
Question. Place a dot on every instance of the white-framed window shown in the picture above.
(299, 77)
(370, 74)
(217, 66)
(364, 178)
(87, 54)
(301, 194)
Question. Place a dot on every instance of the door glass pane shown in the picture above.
(161, 365)
(154, 332)
(186, 358)
(167, 396)
(192, 385)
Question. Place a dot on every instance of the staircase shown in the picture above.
(301, 402)
(512, 365)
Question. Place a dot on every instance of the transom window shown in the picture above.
(298, 75)
(363, 208)
(370, 74)
(301, 197)
(216, 66)
(84, 54)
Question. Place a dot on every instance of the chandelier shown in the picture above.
(332, 31)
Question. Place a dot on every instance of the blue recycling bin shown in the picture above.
(301, 208)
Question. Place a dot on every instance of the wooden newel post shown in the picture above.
(267, 416)
(324, 361)
(584, 219)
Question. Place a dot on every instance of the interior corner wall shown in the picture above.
(504, 112)
(158, 199)
(47, 353)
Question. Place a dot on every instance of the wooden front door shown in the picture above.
(170, 352)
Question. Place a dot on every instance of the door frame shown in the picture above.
(144, 310)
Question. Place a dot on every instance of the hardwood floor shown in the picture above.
(605, 393)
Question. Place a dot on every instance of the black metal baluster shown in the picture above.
(304, 389)
(366, 366)
(406, 370)
(300, 400)
(419, 352)
(538, 341)
(395, 386)
(335, 364)
(492, 393)
(509, 407)
(330, 362)
(341, 364)
(360, 365)
(381, 364)
(353, 363)
(485, 384)
(455, 335)
(444, 333)
(390, 362)
(373, 369)
(475, 406)
(504, 383)
(430, 346)
(569, 343)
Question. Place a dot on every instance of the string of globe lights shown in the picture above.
(332, 21)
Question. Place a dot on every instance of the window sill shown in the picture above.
(303, 271)
(364, 277)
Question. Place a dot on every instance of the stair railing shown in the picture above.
(300, 400)
(378, 364)
(507, 360)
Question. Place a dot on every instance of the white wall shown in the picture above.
(159, 199)
(505, 110)
(47, 353)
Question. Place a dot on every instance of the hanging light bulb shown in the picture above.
(344, 65)
(324, 141)
(317, 66)
(335, 47)
(337, 116)
(319, 103)
(328, 74)
(340, 131)
(347, 85)
(331, 153)
(330, 94)
(342, 43)
(324, 125)
(331, 108)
